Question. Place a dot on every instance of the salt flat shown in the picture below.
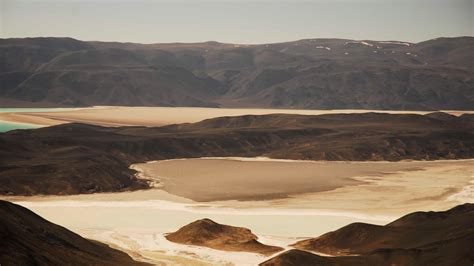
(215, 179)
(159, 116)
(136, 221)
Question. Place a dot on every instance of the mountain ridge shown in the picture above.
(307, 74)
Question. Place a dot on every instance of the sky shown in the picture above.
(234, 21)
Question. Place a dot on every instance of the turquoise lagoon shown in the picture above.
(7, 126)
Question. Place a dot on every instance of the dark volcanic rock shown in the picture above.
(28, 239)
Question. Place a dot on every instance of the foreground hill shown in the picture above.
(28, 239)
(311, 73)
(417, 230)
(78, 158)
(210, 234)
(420, 238)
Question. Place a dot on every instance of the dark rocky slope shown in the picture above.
(78, 158)
(312, 73)
(208, 233)
(420, 238)
(28, 239)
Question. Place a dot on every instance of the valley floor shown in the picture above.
(157, 116)
(373, 192)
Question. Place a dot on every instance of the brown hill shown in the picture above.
(311, 73)
(208, 233)
(420, 238)
(78, 158)
(28, 239)
(296, 257)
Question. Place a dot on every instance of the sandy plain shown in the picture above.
(214, 179)
(137, 221)
(281, 201)
(159, 116)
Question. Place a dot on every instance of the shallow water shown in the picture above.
(7, 126)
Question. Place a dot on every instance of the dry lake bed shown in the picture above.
(335, 194)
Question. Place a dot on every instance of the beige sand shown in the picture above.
(136, 221)
(159, 116)
(387, 189)
(155, 248)
(434, 185)
(138, 251)
(224, 179)
(28, 118)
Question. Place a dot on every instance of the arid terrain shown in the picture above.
(161, 116)
(309, 152)
(187, 192)
(138, 222)
(83, 158)
(28, 239)
(210, 234)
(206, 179)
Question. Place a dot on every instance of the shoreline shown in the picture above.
(147, 116)
(157, 192)
(155, 248)
(196, 173)
(268, 159)
(205, 209)
(6, 126)
(22, 123)
(157, 185)
(136, 220)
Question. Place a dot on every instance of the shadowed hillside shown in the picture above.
(310, 74)
(417, 230)
(28, 239)
(420, 238)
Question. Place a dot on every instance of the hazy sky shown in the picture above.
(234, 21)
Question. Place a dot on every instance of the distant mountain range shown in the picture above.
(311, 74)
